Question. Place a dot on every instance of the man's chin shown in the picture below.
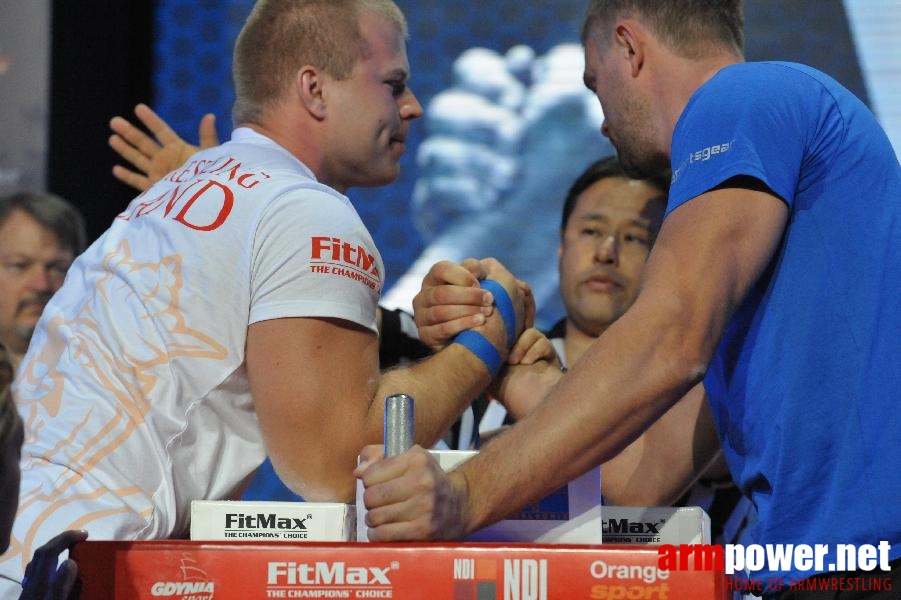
(379, 180)
(600, 319)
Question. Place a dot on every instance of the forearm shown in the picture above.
(297, 381)
(656, 468)
(442, 386)
(622, 384)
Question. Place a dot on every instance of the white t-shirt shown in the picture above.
(134, 390)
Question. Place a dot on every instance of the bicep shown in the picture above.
(710, 252)
(312, 381)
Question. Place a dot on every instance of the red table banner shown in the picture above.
(186, 570)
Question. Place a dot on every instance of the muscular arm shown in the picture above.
(319, 396)
(709, 253)
(656, 468)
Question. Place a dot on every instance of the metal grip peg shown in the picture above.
(398, 424)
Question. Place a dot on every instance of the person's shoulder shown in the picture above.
(759, 76)
(759, 88)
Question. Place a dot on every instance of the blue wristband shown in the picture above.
(484, 350)
(504, 306)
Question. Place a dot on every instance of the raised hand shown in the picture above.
(154, 156)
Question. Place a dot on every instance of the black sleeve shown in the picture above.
(398, 342)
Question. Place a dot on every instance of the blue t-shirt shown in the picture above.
(805, 386)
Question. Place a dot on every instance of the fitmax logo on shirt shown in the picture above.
(333, 249)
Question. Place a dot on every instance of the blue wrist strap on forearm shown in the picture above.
(504, 306)
(484, 350)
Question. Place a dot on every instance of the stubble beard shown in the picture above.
(636, 150)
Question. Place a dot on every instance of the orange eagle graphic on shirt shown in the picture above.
(128, 374)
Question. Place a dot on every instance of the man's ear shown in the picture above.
(629, 39)
(309, 84)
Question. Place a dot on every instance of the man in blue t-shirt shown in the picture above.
(774, 280)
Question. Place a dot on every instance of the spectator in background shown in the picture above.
(40, 236)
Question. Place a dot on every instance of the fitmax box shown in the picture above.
(571, 515)
(655, 525)
(273, 521)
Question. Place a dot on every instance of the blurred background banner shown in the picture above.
(508, 124)
(24, 83)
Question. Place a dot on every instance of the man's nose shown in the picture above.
(607, 250)
(410, 107)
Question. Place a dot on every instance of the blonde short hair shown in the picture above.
(280, 36)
